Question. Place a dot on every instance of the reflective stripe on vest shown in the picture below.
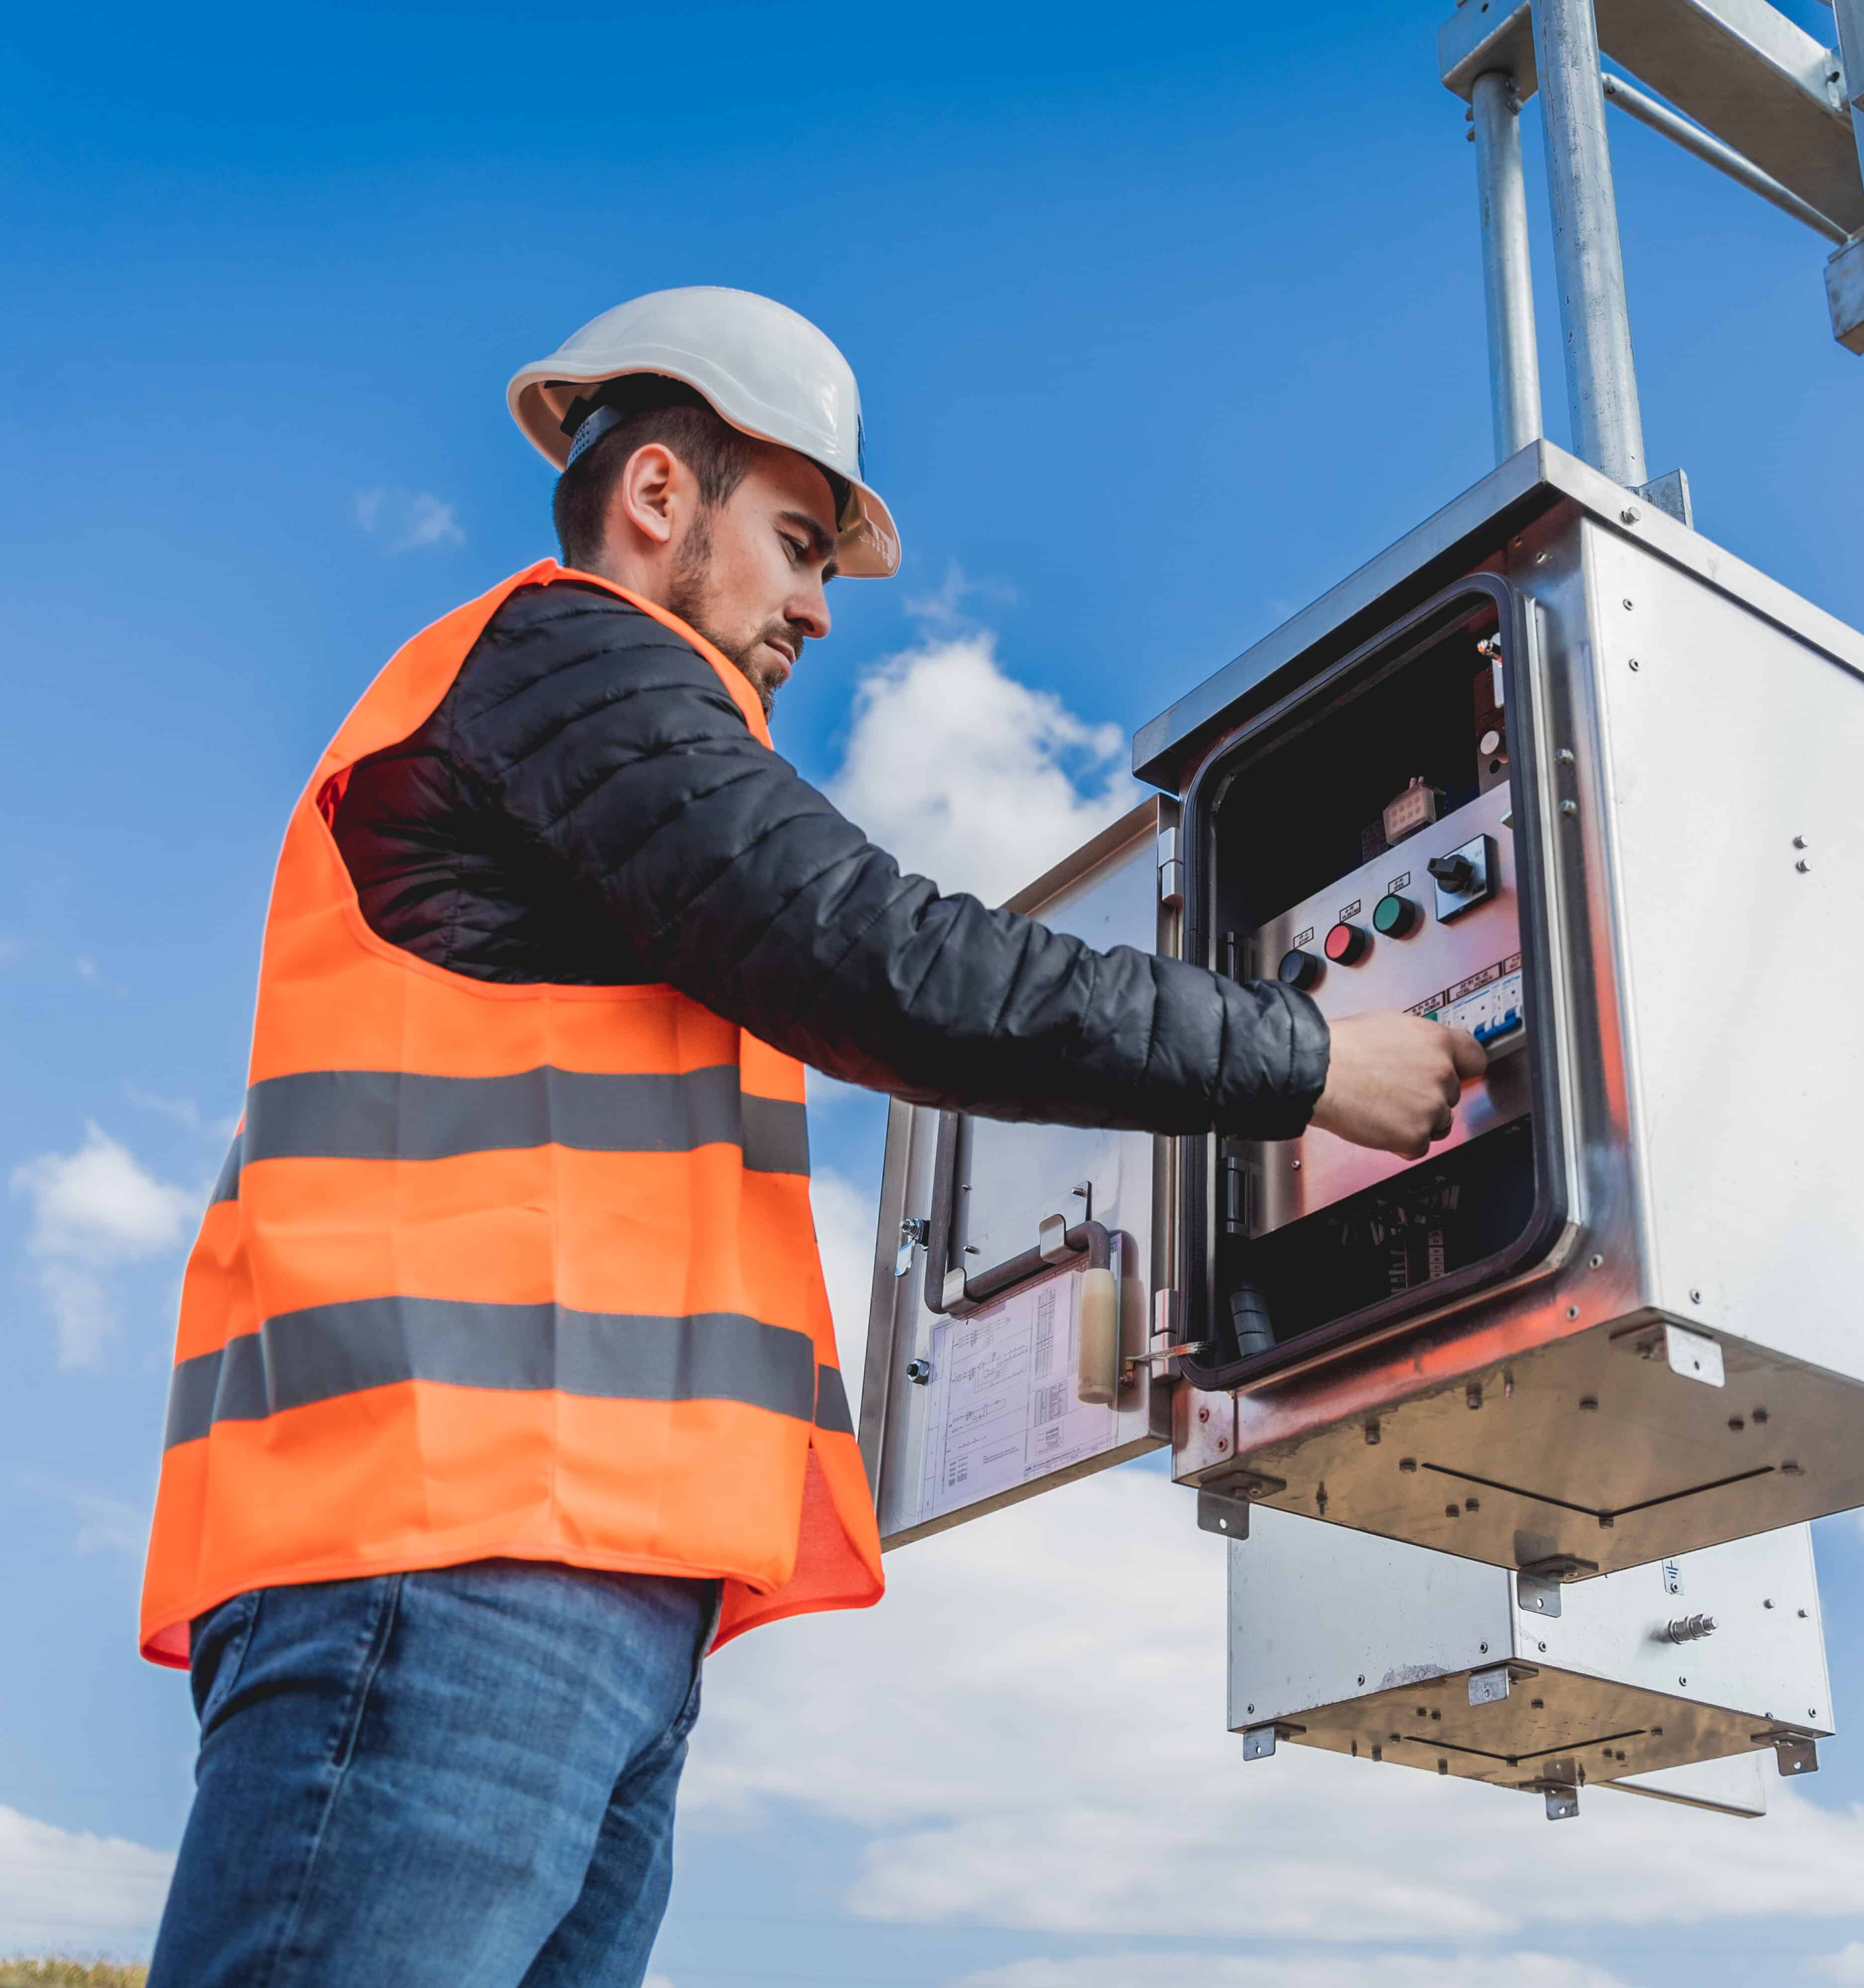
(498, 1270)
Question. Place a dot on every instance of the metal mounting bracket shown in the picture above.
(1259, 1741)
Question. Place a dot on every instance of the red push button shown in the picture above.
(1348, 944)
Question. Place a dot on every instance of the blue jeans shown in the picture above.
(463, 1778)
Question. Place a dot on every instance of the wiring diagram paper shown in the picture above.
(1003, 1409)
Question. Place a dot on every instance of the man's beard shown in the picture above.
(689, 597)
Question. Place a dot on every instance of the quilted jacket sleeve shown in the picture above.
(612, 750)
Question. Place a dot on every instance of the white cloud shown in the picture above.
(105, 1524)
(93, 1211)
(844, 1233)
(407, 520)
(1300, 1970)
(971, 778)
(1064, 1768)
(1845, 1966)
(67, 1890)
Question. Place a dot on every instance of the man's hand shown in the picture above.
(1393, 1081)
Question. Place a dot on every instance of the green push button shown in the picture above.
(1394, 916)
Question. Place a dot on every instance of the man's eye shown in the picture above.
(798, 551)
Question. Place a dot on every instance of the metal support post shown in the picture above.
(1600, 380)
(1507, 281)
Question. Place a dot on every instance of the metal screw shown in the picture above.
(1371, 1432)
(1736, 1424)
(1766, 1605)
(1297, 1166)
(1572, 1311)
(1472, 1395)
(1249, 1708)
(1683, 1680)
(1540, 558)
(1407, 1463)
(1223, 1442)
(1803, 866)
(1471, 1505)
(1695, 1296)
(1564, 756)
(1799, 842)
(1572, 807)
(1789, 1470)
(1203, 1415)
(1760, 1416)
(1539, 1704)
(1631, 515)
(1543, 1648)
(1627, 604)
(1634, 660)
(1483, 1648)
(1802, 1614)
(1598, 1263)
(1455, 1512)
(1589, 1402)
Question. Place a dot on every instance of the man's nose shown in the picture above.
(808, 613)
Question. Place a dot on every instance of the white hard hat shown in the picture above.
(762, 367)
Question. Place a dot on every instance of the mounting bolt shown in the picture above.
(1634, 660)
(1597, 1262)
(1203, 1415)
(1472, 1395)
(1589, 1403)
(1631, 515)
(1803, 866)
(1799, 842)
(1572, 807)
(1695, 1296)
(1407, 1463)
(1789, 1470)
(1372, 1434)
(918, 1372)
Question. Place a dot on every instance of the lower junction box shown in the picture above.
(1665, 1680)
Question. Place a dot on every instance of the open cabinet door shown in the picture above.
(1011, 1343)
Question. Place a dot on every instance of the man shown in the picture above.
(505, 1386)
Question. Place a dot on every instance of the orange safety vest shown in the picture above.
(496, 1271)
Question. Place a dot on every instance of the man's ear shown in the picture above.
(645, 499)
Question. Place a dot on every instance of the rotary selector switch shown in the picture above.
(1298, 969)
(1348, 944)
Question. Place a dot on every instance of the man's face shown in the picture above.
(751, 574)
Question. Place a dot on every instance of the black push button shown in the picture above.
(1298, 969)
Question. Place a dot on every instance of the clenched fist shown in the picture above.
(1393, 1081)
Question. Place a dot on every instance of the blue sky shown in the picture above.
(1163, 323)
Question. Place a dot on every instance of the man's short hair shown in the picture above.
(652, 408)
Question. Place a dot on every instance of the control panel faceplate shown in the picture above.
(1457, 961)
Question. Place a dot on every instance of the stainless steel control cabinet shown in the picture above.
(1670, 1353)
(1677, 1680)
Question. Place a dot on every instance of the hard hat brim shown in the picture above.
(867, 546)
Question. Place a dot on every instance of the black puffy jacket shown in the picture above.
(587, 806)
